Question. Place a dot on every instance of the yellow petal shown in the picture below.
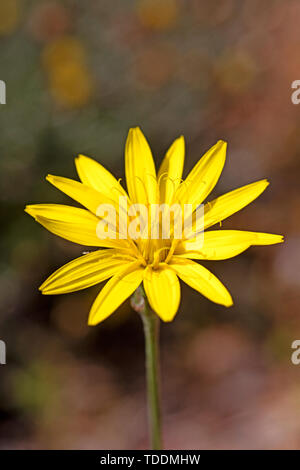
(232, 202)
(93, 174)
(62, 212)
(202, 280)
(170, 172)
(267, 238)
(140, 169)
(223, 244)
(115, 292)
(85, 195)
(85, 271)
(163, 291)
(72, 223)
(203, 177)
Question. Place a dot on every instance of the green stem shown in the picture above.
(151, 331)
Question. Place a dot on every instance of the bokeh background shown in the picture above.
(78, 75)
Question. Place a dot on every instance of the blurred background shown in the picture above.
(78, 75)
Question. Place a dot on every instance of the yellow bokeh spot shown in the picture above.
(65, 49)
(71, 85)
(69, 78)
(158, 14)
(9, 16)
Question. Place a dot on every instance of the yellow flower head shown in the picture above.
(130, 258)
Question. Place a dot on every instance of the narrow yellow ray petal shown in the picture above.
(267, 238)
(85, 271)
(163, 291)
(223, 244)
(96, 202)
(139, 168)
(61, 212)
(115, 292)
(232, 202)
(170, 172)
(93, 174)
(85, 195)
(203, 177)
(81, 230)
(202, 280)
(80, 225)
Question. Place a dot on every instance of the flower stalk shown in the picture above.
(151, 331)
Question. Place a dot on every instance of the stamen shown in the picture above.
(119, 190)
(172, 249)
(157, 260)
(163, 175)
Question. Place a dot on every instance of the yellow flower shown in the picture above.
(157, 263)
